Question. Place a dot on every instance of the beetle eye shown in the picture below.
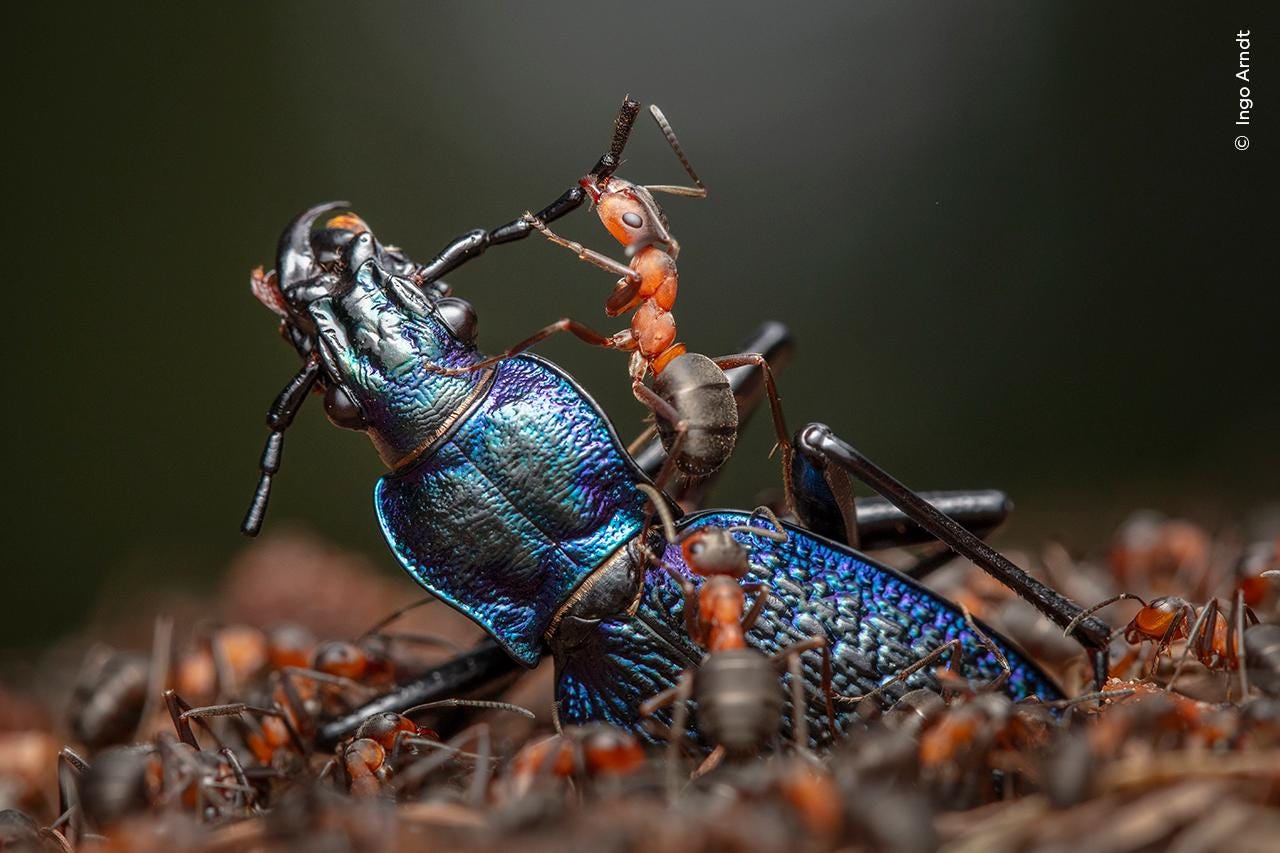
(342, 409)
(632, 219)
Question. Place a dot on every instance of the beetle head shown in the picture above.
(354, 302)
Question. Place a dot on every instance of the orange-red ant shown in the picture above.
(736, 686)
(696, 414)
(1216, 642)
(592, 751)
(376, 755)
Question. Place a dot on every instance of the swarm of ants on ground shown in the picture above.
(205, 736)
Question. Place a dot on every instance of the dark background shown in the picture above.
(1015, 244)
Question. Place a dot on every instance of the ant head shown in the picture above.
(629, 212)
(340, 658)
(713, 551)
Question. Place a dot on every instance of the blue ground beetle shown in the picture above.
(510, 497)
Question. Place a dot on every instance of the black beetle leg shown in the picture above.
(479, 668)
(821, 447)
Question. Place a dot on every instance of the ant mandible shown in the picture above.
(697, 416)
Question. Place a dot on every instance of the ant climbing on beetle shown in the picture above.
(696, 414)
(736, 686)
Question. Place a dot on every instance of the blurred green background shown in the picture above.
(1014, 242)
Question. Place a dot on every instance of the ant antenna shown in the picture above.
(622, 125)
(281, 415)
(698, 190)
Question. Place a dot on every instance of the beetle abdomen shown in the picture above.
(700, 393)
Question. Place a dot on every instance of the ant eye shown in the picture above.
(632, 219)
(697, 548)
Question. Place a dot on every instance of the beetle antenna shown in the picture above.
(281, 415)
(699, 190)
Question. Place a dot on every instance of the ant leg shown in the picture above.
(249, 794)
(985, 641)
(1235, 642)
(1166, 639)
(793, 652)
(1195, 640)
(71, 769)
(823, 447)
(711, 762)
(591, 256)
(325, 678)
(679, 725)
(158, 672)
(690, 593)
(799, 708)
(281, 415)
(757, 607)
(393, 616)
(177, 707)
(418, 771)
(728, 362)
(774, 341)
(573, 327)
(951, 647)
(662, 409)
(775, 533)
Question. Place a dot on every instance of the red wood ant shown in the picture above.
(1216, 642)
(592, 751)
(696, 414)
(737, 691)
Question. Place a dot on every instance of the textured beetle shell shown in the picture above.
(876, 620)
(528, 496)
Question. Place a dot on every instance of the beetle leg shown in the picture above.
(483, 665)
(823, 447)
